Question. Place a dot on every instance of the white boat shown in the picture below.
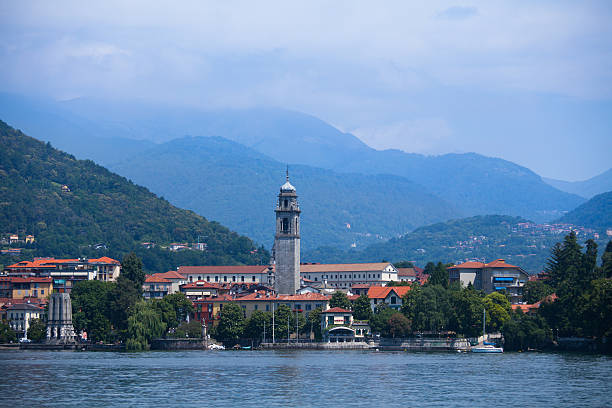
(486, 347)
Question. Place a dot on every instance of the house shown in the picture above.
(29, 239)
(344, 276)
(360, 288)
(200, 289)
(491, 277)
(226, 274)
(336, 325)
(20, 315)
(391, 295)
(175, 278)
(30, 287)
(175, 247)
(13, 239)
(409, 274)
(155, 287)
(533, 308)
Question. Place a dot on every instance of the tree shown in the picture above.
(380, 321)
(498, 311)
(183, 307)
(255, 325)
(403, 264)
(523, 332)
(314, 323)
(90, 308)
(131, 268)
(606, 261)
(37, 331)
(122, 297)
(7, 334)
(192, 330)
(144, 325)
(231, 324)
(439, 276)
(361, 308)
(534, 291)
(399, 325)
(339, 299)
(165, 311)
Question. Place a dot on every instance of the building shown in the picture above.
(491, 277)
(226, 274)
(336, 325)
(286, 251)
(59, 322)
(200, 289)
(29, 287)
(175, 278)
(344, 276)
(391, 295)
(409, 274)
(155, 287)
(66, 272)
(19, 316)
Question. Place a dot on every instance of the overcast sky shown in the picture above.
(529, 81)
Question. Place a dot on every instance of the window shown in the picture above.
(208, 279)
(330, 320)
(199, 278)
(242, 278)
(225, 279)
(285, 225)
(42, 291)
(286, 203)
(267, 308)
(308, 306)
(233, 279)
(393, 300)
(190, 278)
(253, 279)
(315, 278)
(255, 307)
(216, 279)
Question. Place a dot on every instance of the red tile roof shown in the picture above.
(337, 310)
(155, 279)
(499, 263)
(360, 285)
(468, 265)
(170, 275)
(52, 262)
(381, 292)
(406, 272)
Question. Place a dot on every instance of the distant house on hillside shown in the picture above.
(391, 295)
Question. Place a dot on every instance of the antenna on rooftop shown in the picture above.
(287, 172)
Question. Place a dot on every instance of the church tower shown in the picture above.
(287, 241)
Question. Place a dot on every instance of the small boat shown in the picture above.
(486, 346)
(216, 347)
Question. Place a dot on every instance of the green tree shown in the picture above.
(468, 305)
(339, 299)
(122, 297)
(314, 323)
(183, 307)
(361, 308)
(131, 268)
(380, 321)
(606, 261)
(534, 291)
(231, 324)
(523, 332)
(439, 276)
(498, 311)
(255, 325)
(144, 325)
(403, 264)
(90, 308)
(37, 331)
(192, 330)
(399, 325)
(165, 311)
(7, 334)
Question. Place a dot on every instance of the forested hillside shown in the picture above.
(98, 208)
(485, 238)
(595, 213)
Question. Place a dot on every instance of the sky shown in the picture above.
(527, 81)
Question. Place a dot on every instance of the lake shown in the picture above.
(302, 378)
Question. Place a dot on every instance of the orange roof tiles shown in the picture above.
(406, 272)
(170, 275)
(156, 279)
(52, 262)
(337, 310)
(468, 265)
(381, 292)
(499, 263)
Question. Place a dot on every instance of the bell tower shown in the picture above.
(287, 241)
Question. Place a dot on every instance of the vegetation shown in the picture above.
(100, 213)
(339, 299)
(37, 331)
(487, 237)
(7, 334)
(595, 213)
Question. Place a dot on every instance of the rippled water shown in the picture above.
(302, 378)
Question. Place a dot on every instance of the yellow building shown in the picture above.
(39, 288)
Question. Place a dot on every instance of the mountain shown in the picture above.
(586, 188)
(474, 184)
(97, 208)
(595, 213)
(483, 238)
(238, 186)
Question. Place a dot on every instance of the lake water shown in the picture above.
(302, 378)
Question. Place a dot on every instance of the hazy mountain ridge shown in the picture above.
(238, 186)
(474, 184)
(99, 207)
(595, 213)
(586, 188)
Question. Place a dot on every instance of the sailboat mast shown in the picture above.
(484, 322)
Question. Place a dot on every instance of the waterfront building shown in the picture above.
(20, 315)
(391, 295)
(286, 250)
(175, 278)
(66, 272)
(491, 277)
(337, 325)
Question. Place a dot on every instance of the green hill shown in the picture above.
(483, 238)
(99, 208)
(595, 213)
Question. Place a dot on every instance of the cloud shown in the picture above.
(458, 13)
